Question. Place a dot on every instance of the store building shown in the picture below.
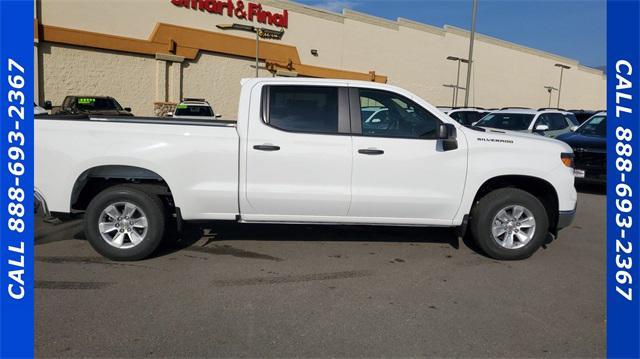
(149, 54)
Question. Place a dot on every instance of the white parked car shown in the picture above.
(545, 121)
(301, 152)
(194, 109)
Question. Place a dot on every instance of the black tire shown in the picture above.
(483, 213)
(149, 204)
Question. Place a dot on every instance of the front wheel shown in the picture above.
(124, 223)
(509, 224)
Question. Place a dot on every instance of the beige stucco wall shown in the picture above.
(217, 78)
(412, 55)
(68, 70)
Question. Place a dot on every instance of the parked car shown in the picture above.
(583, 115)
(90, 105)
(547, 122)
(589, 144)
(193, 109)
(298, 154)
(466, 116)
(37, 110)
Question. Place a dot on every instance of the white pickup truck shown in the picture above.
(302, 151)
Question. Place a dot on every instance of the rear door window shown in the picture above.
(557, 121)
(308, 109)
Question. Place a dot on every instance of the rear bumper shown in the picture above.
(565, 218)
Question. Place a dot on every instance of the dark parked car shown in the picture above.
(90, 105)
(589, 143)
(583, 115)
(465, 116)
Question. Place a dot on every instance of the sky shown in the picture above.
(570, 28)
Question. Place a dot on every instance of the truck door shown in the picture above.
(298, 155)
(401, 173)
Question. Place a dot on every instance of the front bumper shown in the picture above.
(565, 218)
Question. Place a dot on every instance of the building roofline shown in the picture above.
(396, 24)
(421, 26)
(370, 19)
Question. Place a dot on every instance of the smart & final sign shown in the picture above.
(250, 11)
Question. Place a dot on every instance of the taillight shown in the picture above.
(567, 159)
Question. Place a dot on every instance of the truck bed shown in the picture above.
(197, 159)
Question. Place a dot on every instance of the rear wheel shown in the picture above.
(509, 224)
(124, 223)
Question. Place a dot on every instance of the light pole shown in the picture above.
(459, 60)
(562, 68)
(455, 90)
(549, 90)
(474, 12)
(260, 33)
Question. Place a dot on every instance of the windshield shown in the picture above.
(185, 110)
(596, 126)
(97, 104)
(506, 121)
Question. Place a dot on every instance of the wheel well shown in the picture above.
(97, 179)
(538, 187)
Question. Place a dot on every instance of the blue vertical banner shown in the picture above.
(16, 178)
(623, 179)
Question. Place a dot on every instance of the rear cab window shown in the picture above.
(306, 109)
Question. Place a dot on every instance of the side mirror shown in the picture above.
(542, 128)
(218, 115)
(475, 123)
(574, 128)
(48, 105)
(446, 131)
(128, 109)
(376, 120)
(169, 114)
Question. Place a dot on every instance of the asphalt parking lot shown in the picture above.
(324, 291)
